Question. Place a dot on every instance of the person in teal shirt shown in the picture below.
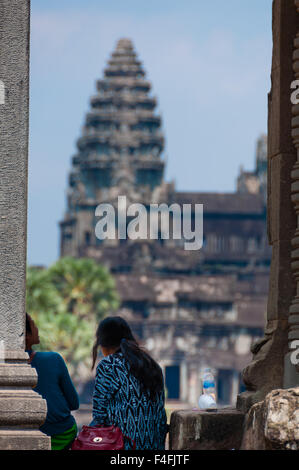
(56, 387)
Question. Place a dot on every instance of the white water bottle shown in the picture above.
(208, 384)
(208, 397)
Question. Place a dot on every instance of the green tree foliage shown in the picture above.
(69, 335)
(66, 301)
(41, 296)
(86, 287)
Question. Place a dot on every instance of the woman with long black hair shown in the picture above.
(129, 387)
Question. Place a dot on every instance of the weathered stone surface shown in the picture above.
(281, 215)
(281, 284)
(285, 27)
(21, 409)
(273, 423)
(14, 73)
(291, 369)
(266, 371)
(23, 439)
(282, 419)
(15, 373)
(206, 430)
(253, 436)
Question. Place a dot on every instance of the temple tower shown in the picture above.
(119, 151)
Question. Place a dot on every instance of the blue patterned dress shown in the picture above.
(118, 400)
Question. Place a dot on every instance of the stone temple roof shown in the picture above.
(225, 203)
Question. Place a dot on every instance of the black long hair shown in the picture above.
(114, 332)
(28, 325)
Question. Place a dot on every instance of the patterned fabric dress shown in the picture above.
(118, 401)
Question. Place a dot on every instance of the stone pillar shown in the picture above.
(22, 410)
(266, 371)
(235, 386)
(291, 370)
(184, 382)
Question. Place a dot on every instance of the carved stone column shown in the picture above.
(267, 369)
(22, 410)
(291, 370)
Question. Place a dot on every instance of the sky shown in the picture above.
(209, 63)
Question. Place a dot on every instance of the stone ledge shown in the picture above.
(206, 430)
(23, 407)
(24, 439)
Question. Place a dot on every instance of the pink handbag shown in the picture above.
(100, 438)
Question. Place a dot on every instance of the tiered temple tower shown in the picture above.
(119, 152)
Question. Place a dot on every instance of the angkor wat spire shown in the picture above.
(121, 143)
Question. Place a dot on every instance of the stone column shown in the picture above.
(235, 386)
(291, 370)
(22, 410)
(184, 381)
(266, 371)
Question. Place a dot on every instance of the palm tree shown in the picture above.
(86, 287)
(69, 335)
(66, 301)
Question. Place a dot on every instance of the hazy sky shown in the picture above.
(209, 63)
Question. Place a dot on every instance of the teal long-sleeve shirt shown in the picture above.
(56, 387)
